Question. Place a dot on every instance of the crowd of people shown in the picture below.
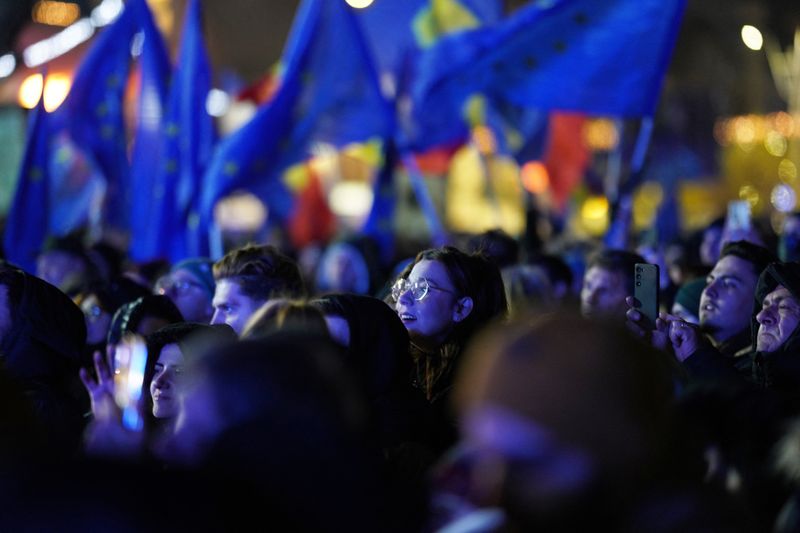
(474, 387)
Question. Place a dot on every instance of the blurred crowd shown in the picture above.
(490, 384)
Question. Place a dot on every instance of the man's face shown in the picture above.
(778, 318)
(603, 293)
(231, 306)
(726, 304)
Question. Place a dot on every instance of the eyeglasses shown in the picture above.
(180, 286)
(419, 288)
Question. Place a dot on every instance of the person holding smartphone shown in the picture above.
(167, 351)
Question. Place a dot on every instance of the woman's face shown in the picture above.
(428, 320)
(163, 387)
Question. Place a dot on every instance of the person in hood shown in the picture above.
(776, 340)
(42, 335)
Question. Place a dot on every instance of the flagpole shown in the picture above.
(438, 235)
(617, 235)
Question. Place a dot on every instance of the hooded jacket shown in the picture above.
(779, 370)
(42, 349)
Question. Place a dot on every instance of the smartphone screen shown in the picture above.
(130, 358)
(645, 292)
(738, 218)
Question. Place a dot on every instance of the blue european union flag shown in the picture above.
(187, 135)
(27, 224)
(329, 93)
(93, 109)
(154, 72)
(396, 28)
(596, 56)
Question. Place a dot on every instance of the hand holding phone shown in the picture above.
(645, 292)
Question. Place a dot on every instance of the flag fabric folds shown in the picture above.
(596, 56)
(329, 93)
(186, 134)
(93, 110)
(396, 28)
(153, 69)
(27, 225)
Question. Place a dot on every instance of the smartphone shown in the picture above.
(130, 358)
(645, 292)
(738, 218)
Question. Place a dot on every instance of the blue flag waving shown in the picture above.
(328, 93)
(154, 71)
(397, 28)
(596, 56)
(187, 140)
(93, 110)
(27, 224)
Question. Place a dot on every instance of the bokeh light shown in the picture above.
(350, 199)
(240, 212)
(55, 13)
(783, 198)
(359, 4)
(752, 38)
(30, 90)
(787, 171)
(775, 144)
(535, 177)
(750, 194)
(594, 215)
(56, 89)
(601, 134)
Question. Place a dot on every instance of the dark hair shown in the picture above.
(756, 255)
(555, 267)
(620, 261)
(497, 245)
(111, 295)
(472, 275)
(128, 317)
(262, 272)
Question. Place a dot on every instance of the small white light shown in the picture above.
(218, 102)
(350, 199)
(59, 44)
(359, 4)
(7, 65)
(752, 37)
(106, 12)
(240, 212)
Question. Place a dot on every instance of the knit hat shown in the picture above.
(689, 295)
(201, 268)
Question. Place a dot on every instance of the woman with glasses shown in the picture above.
(443, 298)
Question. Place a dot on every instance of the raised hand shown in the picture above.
(100, 388)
